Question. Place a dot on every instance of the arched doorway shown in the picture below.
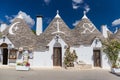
(57, 54)
(4, 47)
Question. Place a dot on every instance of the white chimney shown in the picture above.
(39, 25)
(105, 31)
(3, 26)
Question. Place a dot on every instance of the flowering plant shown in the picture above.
(26, 63)
(23, 64)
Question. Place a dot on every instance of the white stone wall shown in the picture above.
(105, 61)
(85, 54)
(45, 59)
(7, 41)
(42, 59)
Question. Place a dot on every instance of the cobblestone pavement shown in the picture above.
(56, 74)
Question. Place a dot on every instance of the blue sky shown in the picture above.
(100, 12)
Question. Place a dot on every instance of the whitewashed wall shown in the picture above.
(42, 59)
(85, 54)
(45, 59)
(105, 61)
(7, 41)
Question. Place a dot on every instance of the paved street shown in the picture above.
(56, 74)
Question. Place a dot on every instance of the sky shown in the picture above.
(100, 12)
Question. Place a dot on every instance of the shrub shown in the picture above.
(70, 58)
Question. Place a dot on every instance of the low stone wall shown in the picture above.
(80, 67)
(83, 66)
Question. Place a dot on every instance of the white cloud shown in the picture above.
(47, 1)
(78, 1)
(87, 8)
(80, 4)
(76, 22)
(116, 22)
(25, 16)
(8, 17)
(75, 6)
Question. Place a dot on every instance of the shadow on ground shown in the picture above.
(117, 74)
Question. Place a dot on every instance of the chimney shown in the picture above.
(105, 31)
(3, 26)
(39, 25)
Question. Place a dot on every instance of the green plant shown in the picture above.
(112, 48)
(20, 64)
(69, 58)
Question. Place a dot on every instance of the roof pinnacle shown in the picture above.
(57, 15)
(84, 16)
(20, 16)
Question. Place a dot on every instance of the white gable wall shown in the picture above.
(7, 41)
(86, 54)
(105, 64)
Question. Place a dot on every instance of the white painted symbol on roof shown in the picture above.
(10, 29)
(88, 27)
(58, 27)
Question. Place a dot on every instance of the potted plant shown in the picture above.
(22, 66)
(69, 58)
(23, 63)
(112, 49)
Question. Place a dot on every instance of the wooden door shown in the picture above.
(97, 58)
(57, 56)
(5, 56)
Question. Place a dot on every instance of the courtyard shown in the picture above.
(9, 73)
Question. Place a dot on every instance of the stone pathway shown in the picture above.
(9, 73)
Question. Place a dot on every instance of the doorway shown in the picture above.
(5, 56)
(4, 49)
(57, 56)
(97, 58)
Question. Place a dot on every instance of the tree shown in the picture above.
(69, 58)
(112, 49)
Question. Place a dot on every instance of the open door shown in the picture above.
(5, 56)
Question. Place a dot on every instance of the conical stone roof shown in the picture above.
(20, 34)
(85, 32)
(56, 27)
(117, 35)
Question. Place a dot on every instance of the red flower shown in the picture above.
(27, 64)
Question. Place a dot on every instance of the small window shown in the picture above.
(13, 54)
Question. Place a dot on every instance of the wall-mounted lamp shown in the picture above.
(57, 37)
(96, 41)
(3, 38)
(10, 46)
